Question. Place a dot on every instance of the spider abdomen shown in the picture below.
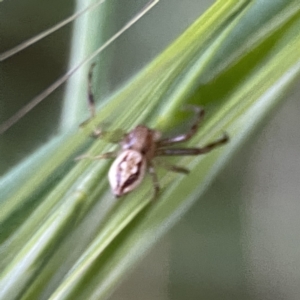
(127, 172)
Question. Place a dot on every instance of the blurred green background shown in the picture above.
(242, 240)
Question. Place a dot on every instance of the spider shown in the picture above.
(140, 146)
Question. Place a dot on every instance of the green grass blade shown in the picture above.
(84, 241)
(89, 31)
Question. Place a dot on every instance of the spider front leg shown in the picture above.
(192, 151)
(199, 111)
(97, 132)
(91, 97)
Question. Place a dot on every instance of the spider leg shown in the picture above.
(112, 136)
(154, 180)
(91, 98)
(192, 151)
(199, 111)
(173, 168)
(106, 155)
(97, 132)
